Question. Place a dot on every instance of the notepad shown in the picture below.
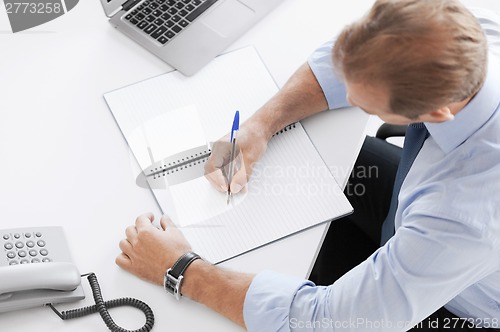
(170, 123)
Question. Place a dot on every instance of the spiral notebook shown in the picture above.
(170, 122)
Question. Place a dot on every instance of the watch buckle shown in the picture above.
(173, 284)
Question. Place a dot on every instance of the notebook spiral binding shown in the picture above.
(187, 165)
(179, 161)
(286, 128)
(178, 168)
(182, 164)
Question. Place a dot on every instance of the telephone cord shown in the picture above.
(102, 307)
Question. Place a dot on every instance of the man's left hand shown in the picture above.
(148, 251)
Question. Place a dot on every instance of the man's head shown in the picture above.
(417, 56)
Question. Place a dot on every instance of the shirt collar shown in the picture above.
(450, 134)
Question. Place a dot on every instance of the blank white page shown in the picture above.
(291, 188)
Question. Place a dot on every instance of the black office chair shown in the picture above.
(387, 130)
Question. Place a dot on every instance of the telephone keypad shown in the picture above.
(27, 247)
(26, 263)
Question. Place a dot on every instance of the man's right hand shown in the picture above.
(251, 145)
(300, 97)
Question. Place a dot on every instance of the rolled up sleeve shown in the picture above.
(269, 300)
(321, 64)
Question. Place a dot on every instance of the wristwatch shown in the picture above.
(173, 277)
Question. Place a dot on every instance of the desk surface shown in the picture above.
(65, 162)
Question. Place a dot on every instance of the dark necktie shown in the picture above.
(415, 136)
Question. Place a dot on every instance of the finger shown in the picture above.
(123, 261)
(240, 179)
(215, 164)
(217, 157)
(144, 220)
(165, 222)
(131, 233)
(148, 215)
(218, 180)
(126, 247)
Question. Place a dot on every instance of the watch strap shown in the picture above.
(174, 275)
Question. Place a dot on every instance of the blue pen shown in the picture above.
(234, 131)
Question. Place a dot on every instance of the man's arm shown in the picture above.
(221, 290)
(148, 252)
(300, 97)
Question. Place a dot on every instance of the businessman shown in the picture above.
(425, 63)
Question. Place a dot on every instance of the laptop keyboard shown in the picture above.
(162, 20)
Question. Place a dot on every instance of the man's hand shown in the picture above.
(251, 145)
(148, 251)
(300, 97)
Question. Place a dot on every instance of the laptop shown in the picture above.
(186, 34)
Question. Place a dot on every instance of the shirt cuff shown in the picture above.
(321, 64)
(268, 301)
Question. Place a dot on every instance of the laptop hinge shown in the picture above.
(129, 4)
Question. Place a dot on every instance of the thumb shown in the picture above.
(240, 180)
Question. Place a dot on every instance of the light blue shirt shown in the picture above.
(446, 250)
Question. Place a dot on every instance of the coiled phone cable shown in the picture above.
(102, 307)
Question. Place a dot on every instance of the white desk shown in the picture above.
(65, 162)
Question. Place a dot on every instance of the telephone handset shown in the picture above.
(36, 270)
(55, 276)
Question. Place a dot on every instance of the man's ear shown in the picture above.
(440, 115)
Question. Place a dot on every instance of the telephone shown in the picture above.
(36, 270)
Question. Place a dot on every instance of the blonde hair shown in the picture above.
(427, 53)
